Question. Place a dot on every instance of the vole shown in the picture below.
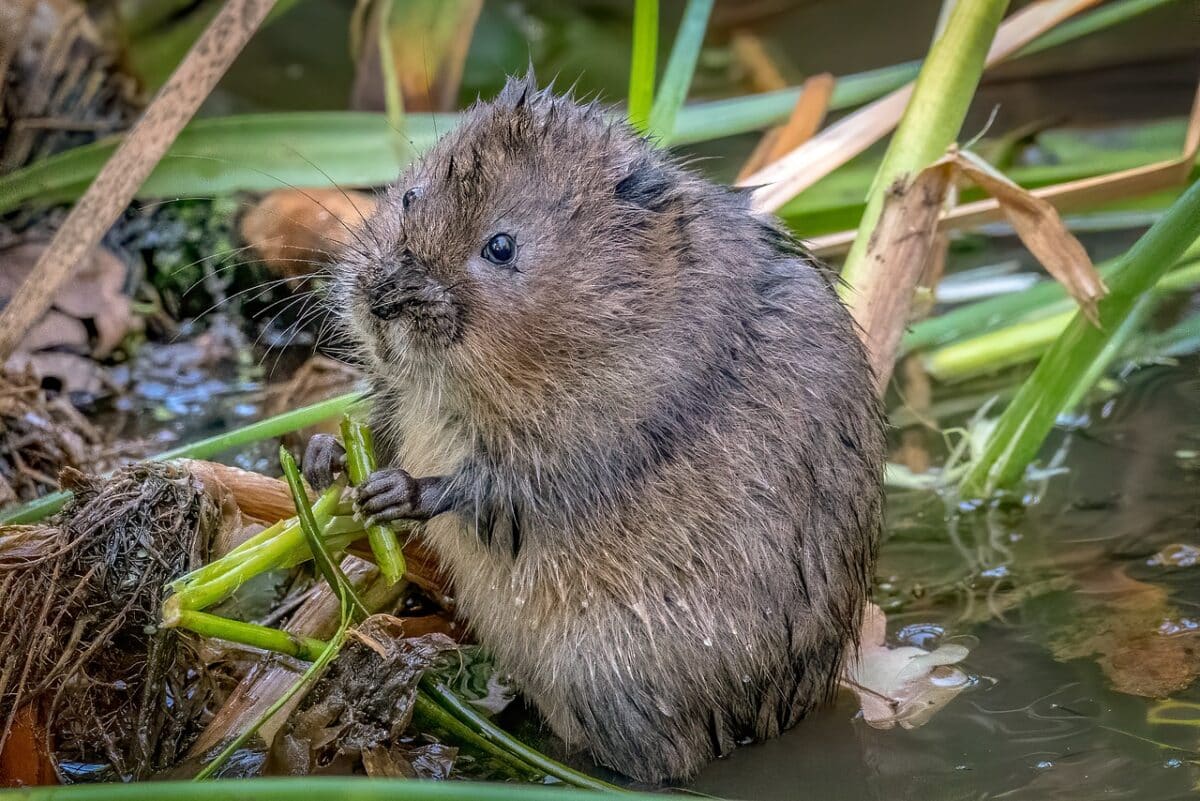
(637, 420)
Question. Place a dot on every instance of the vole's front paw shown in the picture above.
(388, 495)
(324, 458)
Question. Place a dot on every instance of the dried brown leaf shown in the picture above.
(842, 141)
(1040, 229)
(902, 686)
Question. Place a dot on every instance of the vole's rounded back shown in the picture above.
(662, 448)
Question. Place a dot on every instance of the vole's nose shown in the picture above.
(389, 298)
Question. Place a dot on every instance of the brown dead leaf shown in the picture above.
(1040, 229)
(1080, 194)
(296, 231)
(805, 120)
(58, 346)
(261, 497)
(25, 760)
(901, 686)
(360, 709)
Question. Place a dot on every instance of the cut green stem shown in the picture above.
(360, 463)
(484, 728)
(282, 545)
(312, 534)
(262, 637)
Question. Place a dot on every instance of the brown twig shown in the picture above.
(132, 163)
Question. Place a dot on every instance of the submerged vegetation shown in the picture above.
(293, 637)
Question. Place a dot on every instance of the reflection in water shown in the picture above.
(1097, 570)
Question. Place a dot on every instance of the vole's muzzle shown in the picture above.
(399, 293)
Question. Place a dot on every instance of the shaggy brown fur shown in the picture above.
(660, 447)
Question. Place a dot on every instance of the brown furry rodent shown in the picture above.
(644, 430)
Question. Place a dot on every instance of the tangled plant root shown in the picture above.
(79, 606)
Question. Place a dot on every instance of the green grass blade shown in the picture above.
(643, 63)
(1021, 429)
(680, 67)
(324, 561)
(250, 152)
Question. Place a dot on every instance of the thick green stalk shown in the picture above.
(360, 463)
(251, 634)
(1018, 435)
(934, 115)
(1111, 350)
(643, 63)
(995, 350)
(275, 426)
(680, 68)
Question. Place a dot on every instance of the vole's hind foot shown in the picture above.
(324, 458)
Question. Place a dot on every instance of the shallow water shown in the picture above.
(1012, 584)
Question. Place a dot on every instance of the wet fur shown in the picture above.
(661, 431)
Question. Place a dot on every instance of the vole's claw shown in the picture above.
(388, 495)
(324, 458)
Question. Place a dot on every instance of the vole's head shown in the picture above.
(529, 249)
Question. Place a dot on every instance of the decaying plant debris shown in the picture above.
(79, 612)
(39, 436)
(356, 717)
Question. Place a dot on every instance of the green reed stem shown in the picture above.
(1018, 435)
(934, 115)
(1024, 341)
(282, 545)
(489, 731)
(343, 788)
(251, 634)
(323, 560)
(360, 463)
(681, 66)
(643, 63)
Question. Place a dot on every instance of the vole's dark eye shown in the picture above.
(500, 249)
(410, 196)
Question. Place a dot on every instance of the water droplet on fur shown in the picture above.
(585, 603)
(708, 641)
(745, 678)
(519, 601)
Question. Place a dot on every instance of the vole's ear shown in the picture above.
(647, 185)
